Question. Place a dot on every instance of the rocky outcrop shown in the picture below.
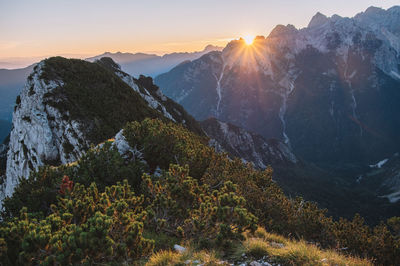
(41, 134)
(54, 124)
(127, 152)
(249, 146)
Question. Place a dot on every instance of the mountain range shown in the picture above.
(152, 64)
(330, 91)
(12, 80)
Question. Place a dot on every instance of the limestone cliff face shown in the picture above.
(41, 134)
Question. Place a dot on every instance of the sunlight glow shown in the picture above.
(248, 39)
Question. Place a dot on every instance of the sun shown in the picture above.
(248, 39)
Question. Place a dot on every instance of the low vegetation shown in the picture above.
(284, 251)
(256, 247)
(104, 209)
(188, 257)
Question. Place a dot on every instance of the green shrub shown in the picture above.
(36, 193)
(105, 166)
(85, 227)
(195, 211)
(102, 165)
(166, 143)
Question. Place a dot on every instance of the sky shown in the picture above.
(34, 29)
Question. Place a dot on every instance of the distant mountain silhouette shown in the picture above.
(151, 64)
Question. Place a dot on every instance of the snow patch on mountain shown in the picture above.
(395, 75)
(393, 197)
(379, 164)
(219, 88)
(288, 86)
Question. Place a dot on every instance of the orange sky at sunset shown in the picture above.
(31, 30)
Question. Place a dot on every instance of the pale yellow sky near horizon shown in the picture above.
(32, 30)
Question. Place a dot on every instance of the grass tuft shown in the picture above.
(256, 247)
(290, 252)
(164, 258)
(269, 237)
(190, 257)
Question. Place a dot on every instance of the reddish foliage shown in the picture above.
(66, 185)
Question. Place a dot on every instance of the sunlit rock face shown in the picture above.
(41, 133)
(329, 91)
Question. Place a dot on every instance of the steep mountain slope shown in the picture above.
(297, 177)
(330, 90)
(248, 146)
(383, 176)
(151, 64)
(68, 105)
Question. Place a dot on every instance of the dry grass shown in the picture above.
(189, 257)
(261, 233)
(257, 245)
(164, 258)
(301, 253)
(290, 252)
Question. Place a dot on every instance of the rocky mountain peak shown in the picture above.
(281, 31)
(318, 20)
(372, 10)
(211, 47)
